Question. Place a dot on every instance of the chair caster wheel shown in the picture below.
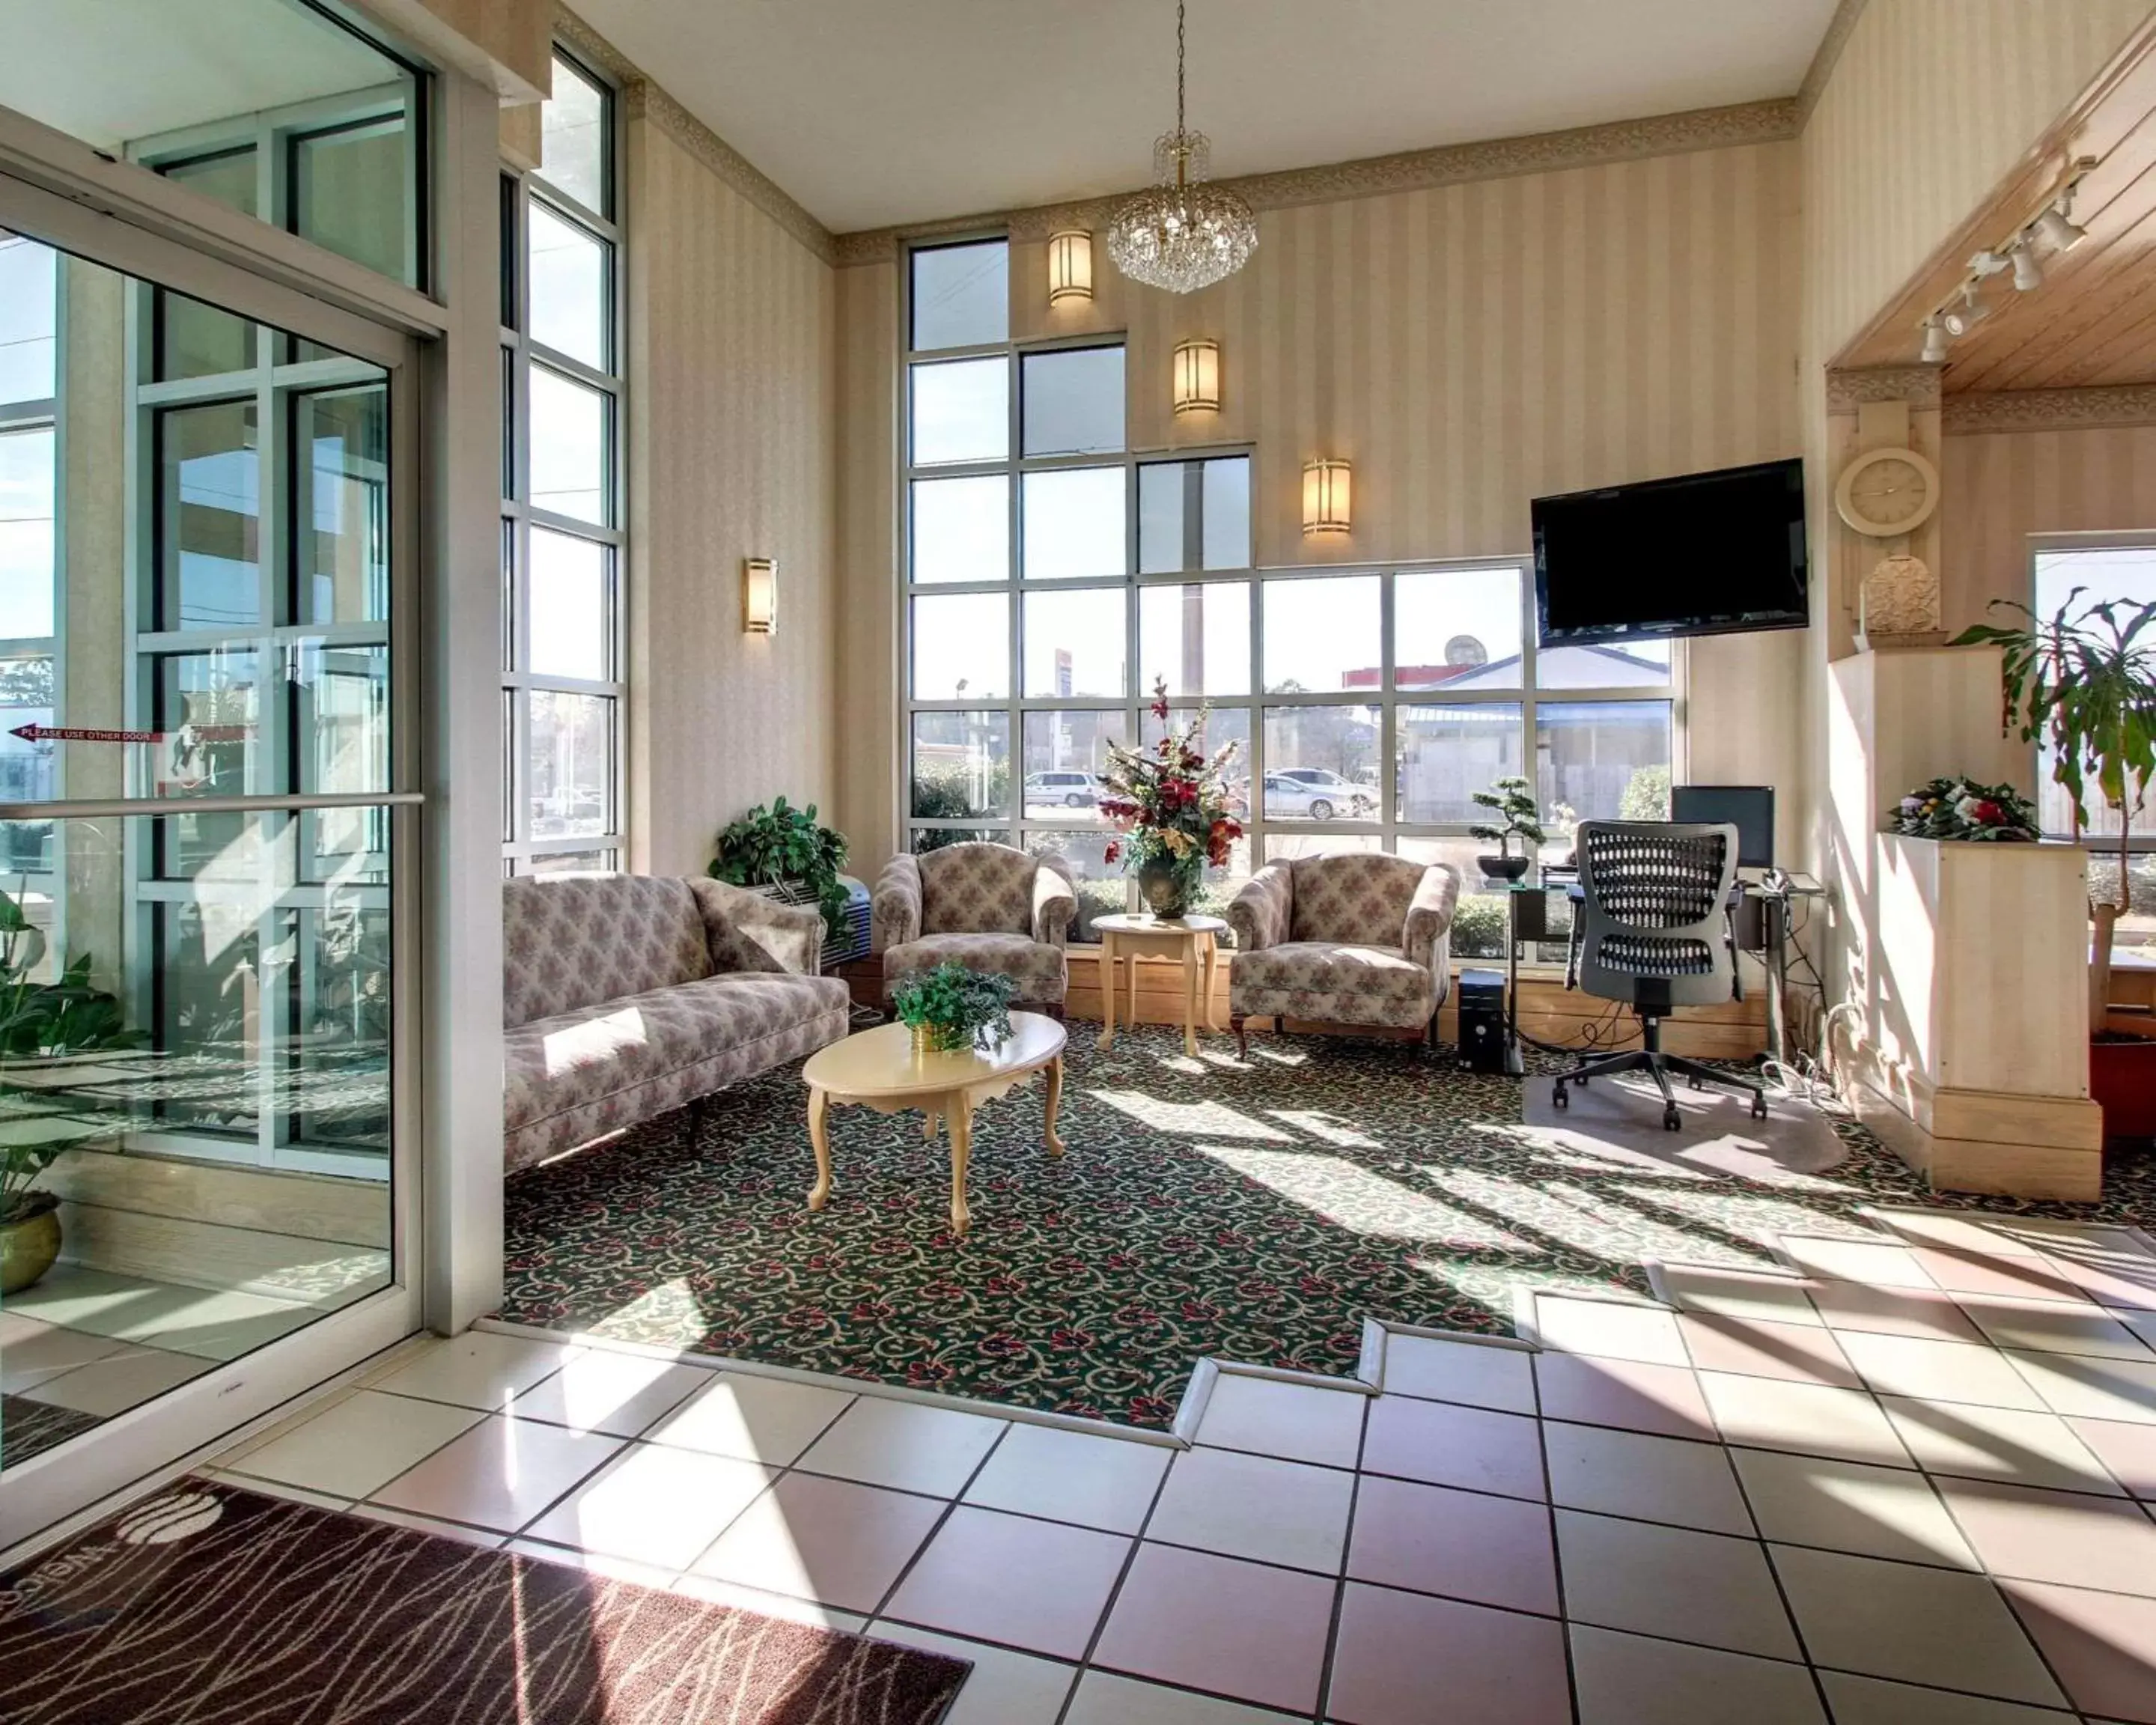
(1579, 1078)
(1558, 1097)
(1758, 1107)
(1672, 1121)
(1695, 1084)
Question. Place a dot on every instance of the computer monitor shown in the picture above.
(1748, 808)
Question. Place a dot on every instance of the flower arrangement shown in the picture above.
(952, 1007)
(1956, 809)
(1171, 805)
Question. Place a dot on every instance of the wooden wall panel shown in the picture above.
(733, 411)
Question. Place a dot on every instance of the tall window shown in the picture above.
(29, 666)
(2123, 570)
(561, 532)
(1053, 576)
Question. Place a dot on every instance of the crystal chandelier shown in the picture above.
(1183, 233)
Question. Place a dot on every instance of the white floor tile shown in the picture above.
(477, 1369)
(620, 1394)
(1103, 1698)
(486, 1539)
(1005, 1688)
(31, 1351)
(1071, 1477)
(655, 1506)
(502, 1473)
(357, 1446)
(907, 1445)
(751, 1419)
(1255, 1507)
(119, 1381)
(1297, 1422)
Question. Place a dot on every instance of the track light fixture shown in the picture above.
(1960, 320)
(2052, 226)
(2059, 230)
(1935, 342)
(2028, 273)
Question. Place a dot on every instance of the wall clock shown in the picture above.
(1886, 492)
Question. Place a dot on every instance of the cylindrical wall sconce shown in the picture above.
(760, 596)
(1328, 503)
(1197, 376)
(1070, 265)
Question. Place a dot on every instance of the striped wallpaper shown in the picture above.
(1929, 105)
(1998, 488)
(868, 578)
(733, 416)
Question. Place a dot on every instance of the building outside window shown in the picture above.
(562, 539)
(1053, 574)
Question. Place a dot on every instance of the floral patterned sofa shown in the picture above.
(1360, 938)
(623, 996)
(989, 907)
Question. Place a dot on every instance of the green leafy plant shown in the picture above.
(41, 1021)
(1645, 795)
(770, 847)
(1513, 803)
(957, 1007)
(1962, 810)
(2084, 681)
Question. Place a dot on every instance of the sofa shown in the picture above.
(989, 907)
(625, 996)
(1359, 938)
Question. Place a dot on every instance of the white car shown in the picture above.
(1063, 790)
(1317, 793)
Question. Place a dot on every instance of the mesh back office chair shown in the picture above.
(1657, 937)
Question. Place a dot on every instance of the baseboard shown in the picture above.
(2008, 1165)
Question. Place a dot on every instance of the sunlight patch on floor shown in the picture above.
(1330, 1127)
(668, 1316)
(1353, 1196)
(1190, 1120)
(1584, 1220)
(1756, 1214)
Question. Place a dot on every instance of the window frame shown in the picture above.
(2138, 843)
(522, 853)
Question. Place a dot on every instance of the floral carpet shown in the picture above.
(1253, 1211)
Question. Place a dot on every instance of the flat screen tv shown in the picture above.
(1708, 554)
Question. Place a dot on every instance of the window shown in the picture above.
(30, 662)
(1053, 575)
(2126, 572)
(562, 545)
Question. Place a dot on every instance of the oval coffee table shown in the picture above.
(878, 1069)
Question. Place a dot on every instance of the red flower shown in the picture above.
(1988, 813)
(1113, 852)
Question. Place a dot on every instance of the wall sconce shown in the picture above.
(1326, 500)
(760, 596)
(1070, 265)
(1196, 376)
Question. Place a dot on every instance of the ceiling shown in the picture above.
(110, 71)
(875, 113)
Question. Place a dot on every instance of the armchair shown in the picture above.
(1354, 939)
(988, 907)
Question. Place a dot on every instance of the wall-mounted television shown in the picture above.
(1708, 554)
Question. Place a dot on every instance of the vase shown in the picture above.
(29, 1243)
(1168, 885)
(1503, 868)
(941, 1038)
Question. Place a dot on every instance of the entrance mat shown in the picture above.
(208, 1603)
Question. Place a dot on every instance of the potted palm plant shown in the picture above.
(1512, 802)
(2083, 681)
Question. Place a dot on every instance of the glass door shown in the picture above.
(207, 839)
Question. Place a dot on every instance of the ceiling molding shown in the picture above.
(2123, 404)
(1839, 30)
(1775, 121)
(1847, 391)
(644, 100)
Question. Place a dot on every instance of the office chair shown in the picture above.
(1657, 937)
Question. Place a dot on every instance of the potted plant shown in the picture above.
(1513, 804)
(951, 1007)
(784, 848)
(38, 1022)
(1170, 805)
(1962, 811)
(2084, 681)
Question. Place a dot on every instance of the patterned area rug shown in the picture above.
(208, 1603)
(1257, 1212)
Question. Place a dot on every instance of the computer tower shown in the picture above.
(1482, 1020)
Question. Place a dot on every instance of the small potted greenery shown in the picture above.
(785, 849)
(951, 1007)
(2084, 681)
(1513, 804)
(39, 1022)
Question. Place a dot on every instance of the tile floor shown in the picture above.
(1912, 1482)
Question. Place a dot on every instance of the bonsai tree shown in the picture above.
(2085, 681)
(1513, 804)
(770, 847)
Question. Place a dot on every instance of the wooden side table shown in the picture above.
(1195, 940)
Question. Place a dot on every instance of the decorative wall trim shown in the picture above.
(1840, 28)
(643, 99)
(1411, 171)
(2051, 410)
(1847, 391)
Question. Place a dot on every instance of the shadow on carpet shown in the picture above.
(1257, 1212)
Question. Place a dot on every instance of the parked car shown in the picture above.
(1066, 790)
(1317, 793)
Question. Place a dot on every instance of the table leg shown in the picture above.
(1130, 964)
(1107, 990)
(1212, 969)
(960, 1115)
(817, 1136)
(1055, 1102)
(1190, 999)
(929, 1117)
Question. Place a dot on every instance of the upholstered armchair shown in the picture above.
(1359, 938)
(988, 907)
